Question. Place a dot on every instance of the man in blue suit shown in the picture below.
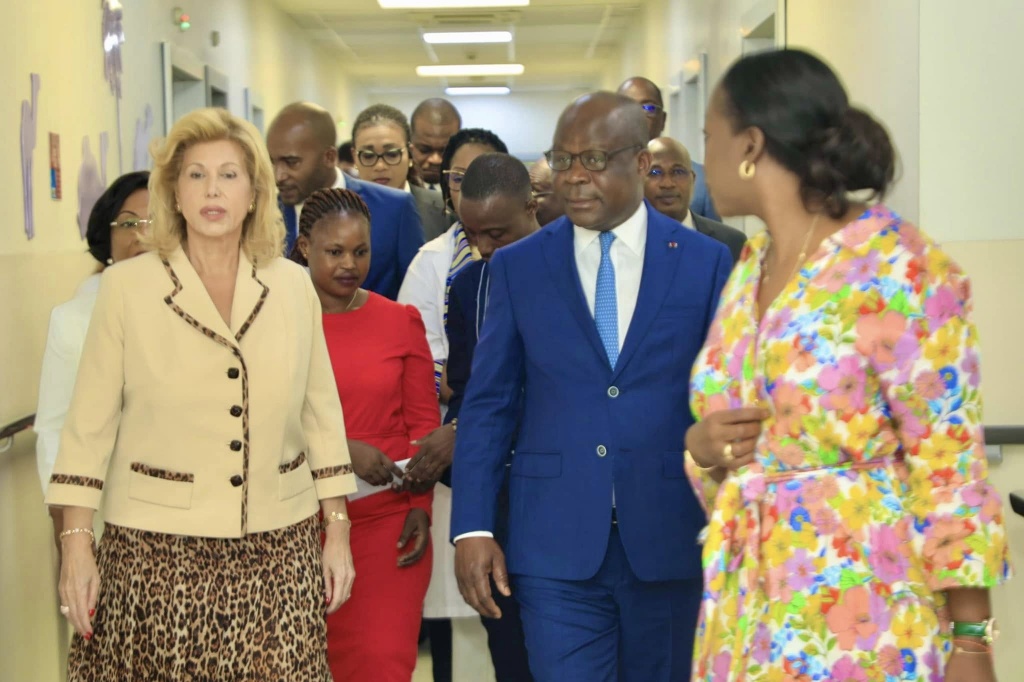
(591, 329)
(302, 141)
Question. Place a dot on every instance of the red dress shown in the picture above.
(385, 376)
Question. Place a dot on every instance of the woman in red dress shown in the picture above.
(385, 377)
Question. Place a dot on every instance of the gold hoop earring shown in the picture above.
(747, 169)
(252, 207)
(177, 208)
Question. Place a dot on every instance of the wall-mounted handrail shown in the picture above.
(8, 432)
(1004, 435)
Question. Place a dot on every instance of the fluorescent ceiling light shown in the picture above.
(478, 90)
(469, 70)
(449, 4)
(461, 37)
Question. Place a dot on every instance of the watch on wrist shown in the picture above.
(985, 629)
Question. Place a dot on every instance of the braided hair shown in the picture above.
(325, 202)
(460, 139)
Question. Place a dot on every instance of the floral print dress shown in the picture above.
(824, 558)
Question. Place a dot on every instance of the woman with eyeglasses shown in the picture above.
(426, 287)
(119, 216)
(382, 154)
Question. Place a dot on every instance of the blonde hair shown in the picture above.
(263, 229)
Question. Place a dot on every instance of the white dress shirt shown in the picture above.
(627, 254)
(68, 324)
(688, 221)
(423, 288)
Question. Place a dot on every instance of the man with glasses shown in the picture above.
(603, 524)
(433, 122)
(302, 141)
(668, 188)
(648, 95)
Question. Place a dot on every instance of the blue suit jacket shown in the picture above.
(582, 426)
(700, 202)
(396, 234)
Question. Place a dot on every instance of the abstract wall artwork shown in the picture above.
(56, 188)
(29, 114)
(92, 179)
(113, 39)
(143, 133)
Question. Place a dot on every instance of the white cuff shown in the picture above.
(474, 534)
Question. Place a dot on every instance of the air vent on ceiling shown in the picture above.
(426, 19)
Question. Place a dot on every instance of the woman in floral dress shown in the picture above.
(839, 450)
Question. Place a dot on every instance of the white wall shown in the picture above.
(971, 119)
(883, 78)
(525, 122)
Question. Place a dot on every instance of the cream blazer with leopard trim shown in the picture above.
(186, 425)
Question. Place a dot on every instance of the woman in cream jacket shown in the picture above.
(206, 416)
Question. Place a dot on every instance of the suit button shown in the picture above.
(236, 445)
(236, 411)
(613, 391)
(236, 480)
(233, 373)
(601, 451)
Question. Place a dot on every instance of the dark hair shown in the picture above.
(810, 127)
(496, 174)
(345, 152)
(105, 210)
(460, 139)
(439, 107)
(376, 114)
(324, 202)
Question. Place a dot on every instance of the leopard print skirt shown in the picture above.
(193, 609)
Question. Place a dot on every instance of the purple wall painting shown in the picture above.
(29, 115)
(92, 180)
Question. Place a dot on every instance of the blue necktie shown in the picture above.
(291, 228)
(606, 305)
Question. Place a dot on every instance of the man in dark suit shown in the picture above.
(430, 204)
(669, 185)
(591, 329)
(433, 122)
(302, 141)
(648, 95)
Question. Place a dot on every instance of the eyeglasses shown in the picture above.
(676, 173)
(132, 224)
(592, 159)
(454, 179)
(368, 157)
(651, 109)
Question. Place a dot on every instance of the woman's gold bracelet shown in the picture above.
(76, 531)
(336, 516)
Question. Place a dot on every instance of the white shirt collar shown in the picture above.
(406, 188)
(339, 183)
(631, 232)
(688, 220)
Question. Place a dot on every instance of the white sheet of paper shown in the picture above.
(364, 489)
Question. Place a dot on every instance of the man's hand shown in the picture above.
(434, 456)
(372, 465)
(476, 560)
(417, 525)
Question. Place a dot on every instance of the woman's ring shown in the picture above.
(727, 452)
(65, 610)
